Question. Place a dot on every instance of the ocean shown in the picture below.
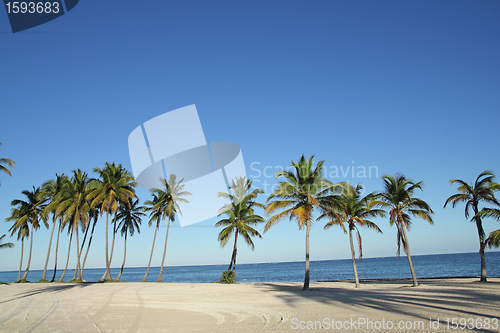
(426, 266)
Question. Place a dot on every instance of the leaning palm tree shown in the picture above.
(240, 216)
(52, 191)
(5, 245)
(172, 193)
(302, 190)
(129, 218)
(115, 186)
(350, 207)
(398, 197)
(155, 217)
(6, 161)
(482, 190)
(29, 211)
(23, 231)
(75, 206)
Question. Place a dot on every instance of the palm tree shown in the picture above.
(398, 197)
(155, 215)
(27, 212)
(8, 162)
(5, 245)
(129, 218)
(493, 239)
(303, 190)
(23, 231)
(75, 206)
(52, 191)
(93, 215)
(241, 216)
(482, 190)
(351, 208)
(116, 185)
(172, 192)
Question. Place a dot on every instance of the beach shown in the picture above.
(379, 306)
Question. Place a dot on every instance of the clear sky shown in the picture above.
(411, 87)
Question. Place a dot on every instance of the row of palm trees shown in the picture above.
(75, 203)
(303, 191)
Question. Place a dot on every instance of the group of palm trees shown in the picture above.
(303, 194)
(303, 191)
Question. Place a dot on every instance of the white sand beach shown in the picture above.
(249, 307)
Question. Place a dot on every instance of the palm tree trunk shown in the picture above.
(67, 259)
(145, 278)
(124, 256)
(57, 248)
(88, 246)
(78, 252)
(29, 258)
(306, 278)
(353, 258)
(481, 234)
(232, 264)
(21, 264)
(50, 244)
(107, 274)
(112, 242)
(164, 254)
(413, 275)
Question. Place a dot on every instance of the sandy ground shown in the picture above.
(390, 306)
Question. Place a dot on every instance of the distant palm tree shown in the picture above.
(23, 231)
(172, 192)
(398, 197)
(302, 190)
(482, 190)
(52, 191)
(8, 162)
(5, 245)
(129, 218)
(76, 207)
(352, 208)
(29, 212)
(241, 216)
(115, 186)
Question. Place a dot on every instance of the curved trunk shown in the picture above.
(413, 275)
(77, 270)
(145, 278)
(29, 258)
(50, 244)
(88, 247)
(306, 278)
(113, 241)
(107, 274)
(21, 264)
(67, 259)
(124, 256)
(481, 234)
(232, 264)
(57, 248)
(164, 254)
(353, 258)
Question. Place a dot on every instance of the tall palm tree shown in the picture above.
(52, 191)
(29, 211)
(23, 231)
(352, 208)
(6, 161)
(5, 245)
(93, 215)
(76, 206)
(154, 206)
(115, 186)
(172, 192)
(398, 197)
(482, 190)
(240, 216)
(302, 190)
(129, 218)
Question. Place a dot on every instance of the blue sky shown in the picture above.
(411, 87)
